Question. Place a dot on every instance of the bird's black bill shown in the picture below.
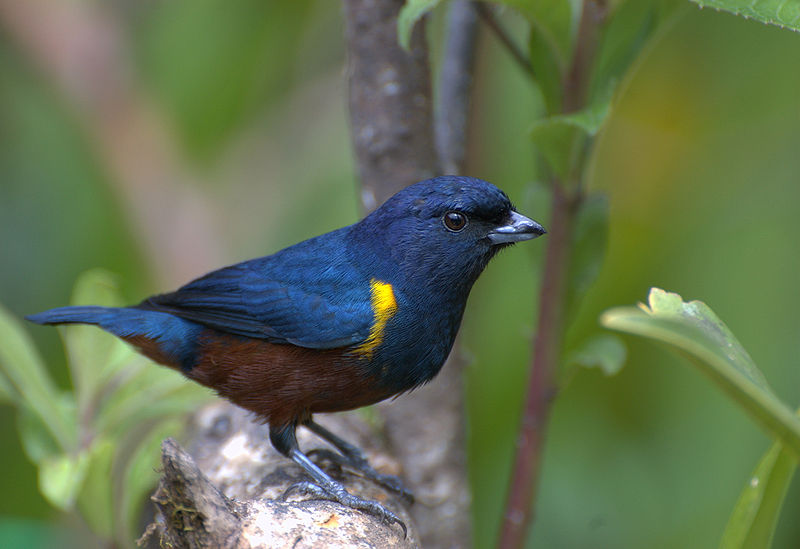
(516, 228)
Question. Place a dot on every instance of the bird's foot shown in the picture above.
(356, 460)
(336, 492)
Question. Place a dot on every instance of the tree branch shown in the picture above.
(391, 108)
(392, 124)
(226, 491)
(455, 86)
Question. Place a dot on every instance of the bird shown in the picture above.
(340, 321)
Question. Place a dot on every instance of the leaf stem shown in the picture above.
(485, 13)
(542, 388)
(576, 80)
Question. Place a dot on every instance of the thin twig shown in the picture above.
(541, 386)
(567, 197)
(517, 54)
(576, 80)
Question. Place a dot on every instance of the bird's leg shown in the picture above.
(323, 486)
(353, 457)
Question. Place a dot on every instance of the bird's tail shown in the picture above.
(163, 337)
(76, 315)
(124, 322)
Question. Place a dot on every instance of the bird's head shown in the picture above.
(442, 231)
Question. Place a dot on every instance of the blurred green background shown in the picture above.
(700, 163)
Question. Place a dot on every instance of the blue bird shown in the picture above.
(336, 322)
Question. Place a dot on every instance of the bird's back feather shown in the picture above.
(309, 295)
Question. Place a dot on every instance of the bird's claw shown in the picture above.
(357, 461)
(343, 497)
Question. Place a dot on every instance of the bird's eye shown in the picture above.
(455, 221)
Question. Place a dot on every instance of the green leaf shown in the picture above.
(550, 42)
(410, 13)
(61, 477)
(696, 331)
(38, 441)
(752, 523)
(168, 392)
(589, 243)
(548, 69)
(27, 380)
(604, 351)
(172, 400)
(95, 497)
(561, 137)
(554, 21)
(622, 41)
(783, 13)
(7, 394)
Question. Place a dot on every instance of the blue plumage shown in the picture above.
(309, 295)
(339, 321)
(174, 337)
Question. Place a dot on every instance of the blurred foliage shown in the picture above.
(785, 14)
(694, 329)
(690, 157)
(697, 332)
(210, 83)
(85, 442)
(697, 159)
(753, 521)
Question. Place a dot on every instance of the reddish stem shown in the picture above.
(541, 386)
(567, 196)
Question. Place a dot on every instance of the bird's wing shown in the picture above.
(304, 304)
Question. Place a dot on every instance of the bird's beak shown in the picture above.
(516, 228)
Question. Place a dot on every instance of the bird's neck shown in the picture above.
(419, 337)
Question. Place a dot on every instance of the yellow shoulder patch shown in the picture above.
(384, 307)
